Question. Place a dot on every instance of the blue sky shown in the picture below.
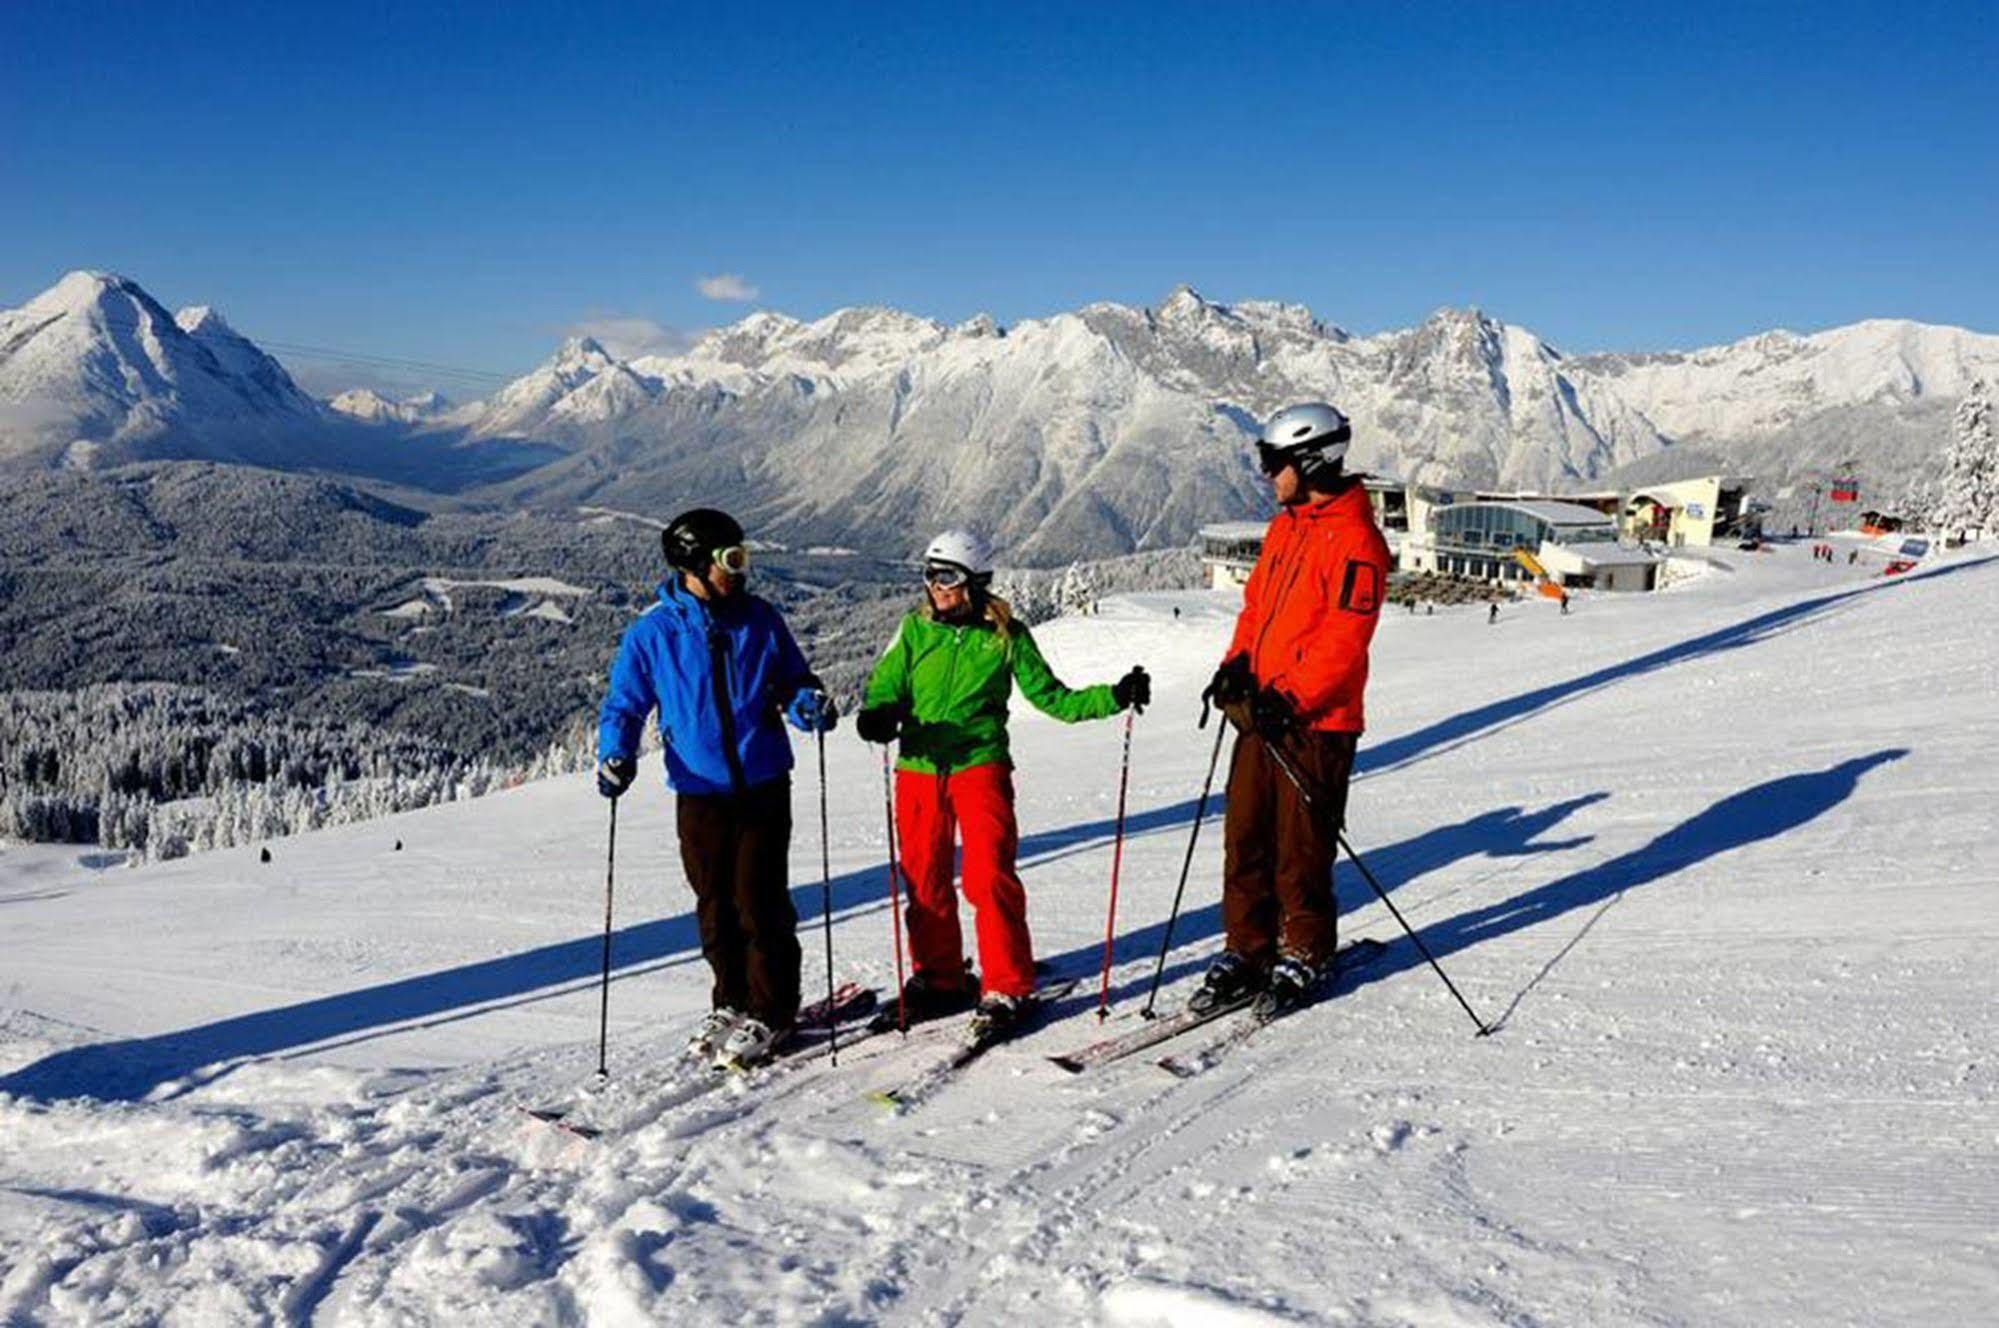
(462, 187)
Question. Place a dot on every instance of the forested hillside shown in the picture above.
(197, 655)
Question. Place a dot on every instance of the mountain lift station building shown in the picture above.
(1616, 540)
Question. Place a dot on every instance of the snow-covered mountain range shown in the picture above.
(1116, 427)
(371, 407)
(1092, 432)
(94, 372)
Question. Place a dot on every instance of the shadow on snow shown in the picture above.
(1760, 812)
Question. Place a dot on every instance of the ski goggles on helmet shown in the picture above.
(735, 559)
(946, 576)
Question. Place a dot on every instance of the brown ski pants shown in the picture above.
(734, 848)
(1277, 863)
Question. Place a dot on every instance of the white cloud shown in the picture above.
(628, 336)
(726, 286)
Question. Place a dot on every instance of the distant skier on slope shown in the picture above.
(720, 666)
(1293, 678)
(942, 689)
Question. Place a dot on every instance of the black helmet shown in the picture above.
(691, 539)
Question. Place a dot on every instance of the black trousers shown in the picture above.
(734, 848)
(1277, 872)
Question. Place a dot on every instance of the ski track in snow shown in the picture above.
(1733, 905)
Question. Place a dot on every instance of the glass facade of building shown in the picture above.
(1505, 527)
(1478, 539)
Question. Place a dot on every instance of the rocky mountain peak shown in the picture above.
(197, 319)
(583, 352)
(1183, 304)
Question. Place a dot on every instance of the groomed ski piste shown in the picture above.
(1718, 863)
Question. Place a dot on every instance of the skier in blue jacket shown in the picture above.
(720, 667)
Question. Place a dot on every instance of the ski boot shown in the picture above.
(712, 1032)
(750, 1042)
(996, 1017)
(1230, 980)
(1290, 986)
(925, 998)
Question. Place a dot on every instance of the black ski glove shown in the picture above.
(1232, 682)
(1273, 715)
(615, 774)
(1134, 690)
(880, 723)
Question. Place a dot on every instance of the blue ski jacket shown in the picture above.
(719, 678)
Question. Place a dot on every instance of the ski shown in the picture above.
(850, 1002)
(1163, 1029)
(929, 1080)
(887, 1019)
(557, 1118)
(1150, 1034)
(689, 1077)
(1352, 958)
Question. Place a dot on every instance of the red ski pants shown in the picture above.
(930, 812)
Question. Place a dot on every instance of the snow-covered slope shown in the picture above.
(1117, 427)
(1717, 861)
(93, 369)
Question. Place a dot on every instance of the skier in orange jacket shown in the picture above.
(1293, 679)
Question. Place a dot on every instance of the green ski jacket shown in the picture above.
(956, 681)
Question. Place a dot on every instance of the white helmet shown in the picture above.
(1311, 436)
(961, 548)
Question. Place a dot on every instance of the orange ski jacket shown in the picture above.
(1311, 606)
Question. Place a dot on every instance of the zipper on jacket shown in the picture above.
(1277, 602)
(950, 690)
(725, 707)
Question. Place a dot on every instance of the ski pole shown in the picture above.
(1117, 860)
(604, 999)
(1339, 833)
(826, 905)
(1200, 813)
(894, 891)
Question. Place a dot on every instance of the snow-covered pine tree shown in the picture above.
(1078, 589)
(1968, 506)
